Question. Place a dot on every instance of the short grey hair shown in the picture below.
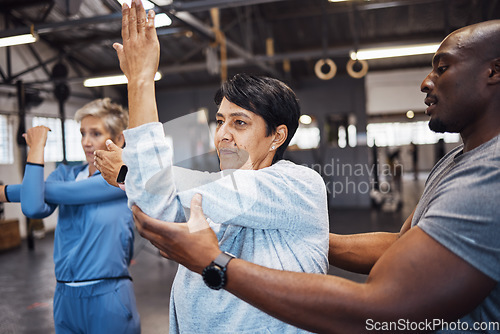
(114, 116)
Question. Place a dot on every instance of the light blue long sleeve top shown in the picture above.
(275, 217)
(94, 235)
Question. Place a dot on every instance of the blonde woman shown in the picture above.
(94, 236)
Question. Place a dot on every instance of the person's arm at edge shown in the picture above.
(3, 194)
(359, 252)
(139, 58)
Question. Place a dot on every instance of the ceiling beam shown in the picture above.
(314, 54)
(8, 5)
(205, 5)
(206, 30)
(72, 24)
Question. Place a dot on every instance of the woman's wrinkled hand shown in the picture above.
(109, 162)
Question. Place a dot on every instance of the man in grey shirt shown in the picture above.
(440, 273)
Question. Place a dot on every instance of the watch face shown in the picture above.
(214, 277)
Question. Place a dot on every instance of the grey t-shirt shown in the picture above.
(460, 208)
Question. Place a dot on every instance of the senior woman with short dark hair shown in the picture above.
(262, 208)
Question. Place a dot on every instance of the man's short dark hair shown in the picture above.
(269, 98)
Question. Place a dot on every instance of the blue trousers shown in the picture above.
(102, 308)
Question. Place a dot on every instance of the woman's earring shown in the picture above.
(272, 147)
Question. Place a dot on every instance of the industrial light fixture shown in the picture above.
(19, 39)
(305, 119)
(162, 20)
(398, 51)
(111, 80)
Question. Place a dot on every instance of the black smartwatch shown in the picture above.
(214, 275)
(121, 174)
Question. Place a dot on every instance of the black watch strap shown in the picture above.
(223, 259)
(121, 175)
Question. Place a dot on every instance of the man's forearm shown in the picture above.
(300, 298)
(410, 282)
(358, 252)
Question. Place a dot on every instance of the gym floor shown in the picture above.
(27, 279)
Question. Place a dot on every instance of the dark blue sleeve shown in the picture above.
(33, 202)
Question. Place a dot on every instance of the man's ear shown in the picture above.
(494, 77)
(280, 135)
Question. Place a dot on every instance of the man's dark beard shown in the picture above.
(437, 126)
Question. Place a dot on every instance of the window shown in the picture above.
(53, 148)
(342, 137)
(6, 137)
(307, 135)
(397, 134)
(306, 138)
(74, 150)
(341, 130)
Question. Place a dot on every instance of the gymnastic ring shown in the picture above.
(325, 76)
(352, 72)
